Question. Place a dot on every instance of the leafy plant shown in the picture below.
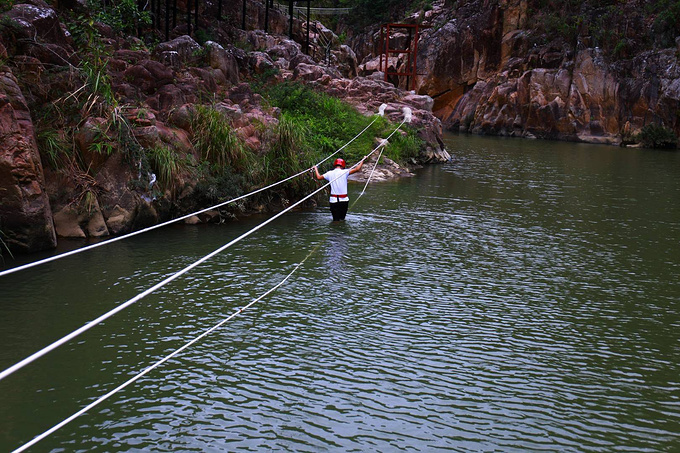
(666, 24)
(219, 186)
(404, 147)
(657, 136)
(123, 16)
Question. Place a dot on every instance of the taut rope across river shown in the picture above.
(65, 339)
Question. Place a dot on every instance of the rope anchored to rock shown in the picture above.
(107, 315)
(381, 112)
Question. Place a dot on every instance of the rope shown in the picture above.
(135, 378)
(126, 304)
(143, 294)
(383, 144)
(134, 233)
(371, 174)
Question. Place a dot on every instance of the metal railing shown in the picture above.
(284, 7)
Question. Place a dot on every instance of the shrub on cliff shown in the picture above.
(658, 137)
(217, 142)
(666, 24)
(327, 123)
(621, 28)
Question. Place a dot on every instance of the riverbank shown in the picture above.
(106, 133)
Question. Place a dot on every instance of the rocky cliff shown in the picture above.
(597, 74)
(101, 108)
(25, 207)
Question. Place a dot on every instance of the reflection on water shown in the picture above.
(522, 298)
(336, 248)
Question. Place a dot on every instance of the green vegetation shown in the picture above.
(366, 12)
(6, 5)
(619, 27)
(657, 136)
(227, 167)
(666, 24)
(325, 124)
(287, 154)
(97, 82)
(53, 147)
(217, 142)
(165, 164)
(123, 16)
(218, 185)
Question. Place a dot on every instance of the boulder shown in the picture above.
(25, 213)
(145, 215)
(346, 61)
(148, 75)
(170, 97)
(259, 62)
(221, 59)
(286, 49)
(37, 21)
(67, 223)
(95, 225)
(119, 220)
(179, 51)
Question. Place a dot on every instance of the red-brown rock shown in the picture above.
(25, 214)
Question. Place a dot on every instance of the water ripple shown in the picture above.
(516, 300)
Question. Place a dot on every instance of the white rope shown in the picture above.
(141, 295)
(126, 304)
(134, 233)
(99, 400)
(91, 324)
(373, 169)
(383, 144)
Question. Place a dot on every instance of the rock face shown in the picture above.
(495, 84)
(102, 182)
(486, 74)
(25, 215)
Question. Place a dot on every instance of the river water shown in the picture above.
(524, 297)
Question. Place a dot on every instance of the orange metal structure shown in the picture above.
(411, 51)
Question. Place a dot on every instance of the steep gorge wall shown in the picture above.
(485, 77)
(25, 209)
(105, 173)
(488, 74)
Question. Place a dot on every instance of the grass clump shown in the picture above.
(55, 150)
(324, 124)
(287, 154)
(165, 163)
(217, 142)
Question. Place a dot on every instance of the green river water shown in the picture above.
(524, 297)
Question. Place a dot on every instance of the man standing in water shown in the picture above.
(338, 179)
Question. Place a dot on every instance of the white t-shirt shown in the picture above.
(338, 178)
